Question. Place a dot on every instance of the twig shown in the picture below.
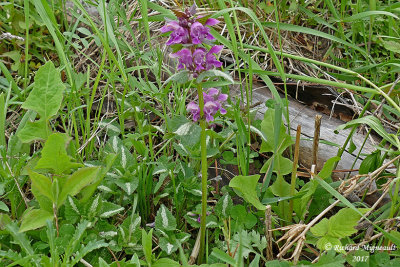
(309, 225)
(16, 182)
(195, 251)
(268, 233)
(317, 129)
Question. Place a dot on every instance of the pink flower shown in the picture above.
(211, 60)
(184, 57)
(179, 35)
(213, 101)
(199, 33)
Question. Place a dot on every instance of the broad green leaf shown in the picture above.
(342, 223)
(280, 187)
(392, 46)
(247, 186)
(268, 129)
(89, 190)
(164, 219)
(37, 130)
(168, 244)
(214, 73)
(109, 209)
(76, 181)
(328, 168)
(47, 93)
(329, 243)
(282, 165)
(35, 219)
(321, 228)
(44, 202)
(54, 155)
(179, 77)
(42, 184)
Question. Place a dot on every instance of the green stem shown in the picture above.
(203, 175)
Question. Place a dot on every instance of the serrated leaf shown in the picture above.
(47, 93)
(20, 238)
(165, 221)
(247, 186)
(35, 219)
(37, 130)
(109, 209)
(83, 251)
(72, 209)
(342, 223)
(321, 228)
(54, 155)
(42, 184)
(76, 181)
(329, 243)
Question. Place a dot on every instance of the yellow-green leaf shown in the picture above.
(47, 92)
(76, 181)
(247, 186)
(35, 219)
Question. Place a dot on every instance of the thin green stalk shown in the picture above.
(26, 12)
(203, 147)
(394, 207)
(3, 108)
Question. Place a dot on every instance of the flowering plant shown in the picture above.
(193, 47)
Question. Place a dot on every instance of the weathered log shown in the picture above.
(303, 115)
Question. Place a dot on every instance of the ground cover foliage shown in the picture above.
(109, 152)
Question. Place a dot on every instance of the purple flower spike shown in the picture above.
(179, 35)
(184, 57)
(199, 33)
(211, 60)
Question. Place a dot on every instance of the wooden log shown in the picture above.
(303, 115)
